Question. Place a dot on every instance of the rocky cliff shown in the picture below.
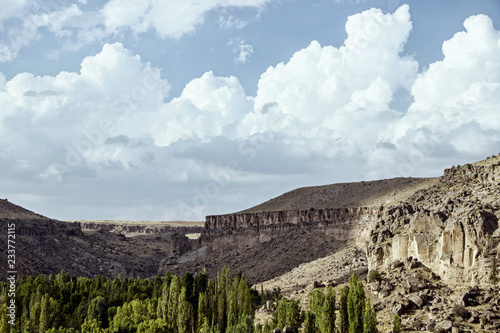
(47, 246)
(138, 228)
(451, 226)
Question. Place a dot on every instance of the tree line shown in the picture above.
(166, 304)
(175, 304)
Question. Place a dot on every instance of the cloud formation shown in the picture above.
(327, 111)
(242, 51)
(170, 19)
(80, 27)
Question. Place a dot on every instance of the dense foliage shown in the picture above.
(173, 304)
(356, 314)
(169, 304)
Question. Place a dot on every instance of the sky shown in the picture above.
(175, 109)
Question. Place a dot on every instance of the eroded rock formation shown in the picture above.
(454, 228)
(451, 227)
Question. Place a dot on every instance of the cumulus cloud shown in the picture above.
(326, 113)
(338, 97)
(209, 106)
(456, 100)
(59, 21)
(76, 112)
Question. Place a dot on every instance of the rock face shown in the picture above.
(134, 229)
(346, 224)
(450, 227)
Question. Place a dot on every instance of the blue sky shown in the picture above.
(175, 110)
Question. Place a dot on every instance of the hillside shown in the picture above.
(47, 246)
(8, 210)
(369, 193)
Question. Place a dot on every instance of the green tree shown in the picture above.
(309, 322)
(154, 326)
(202, 308)
(355, 304)
(184, 313)
(204, 326)
(343, 311)
(396, 324)
(173, 302)
(267, 328)
(44, 315)
(293, 315)
(98, 309)
(288, 314)
(370, 319)
(91, 326)
(326, 313)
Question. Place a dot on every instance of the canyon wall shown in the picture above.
(451, 227)
(454, 228)
(129, 229)
(245, 229)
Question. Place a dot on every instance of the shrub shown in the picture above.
(460, 311)
(396, 324)
(374, 276)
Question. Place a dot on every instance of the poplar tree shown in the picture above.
(370, 319)
(44, 315)
(184, 312)
(173, 300)
(343, 311)
(309, 322)
(355, 304)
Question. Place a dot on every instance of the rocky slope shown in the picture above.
(452, 227)
(46, 246)
(449, 224)
(345, 195)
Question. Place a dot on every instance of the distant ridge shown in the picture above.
(8, 210)
(343, 195)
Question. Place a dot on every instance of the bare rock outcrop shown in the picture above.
(452, 228)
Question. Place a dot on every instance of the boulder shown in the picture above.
(443, 326)
(374, 286)
(398, 309)
(417, 300)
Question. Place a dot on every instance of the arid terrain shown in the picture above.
(434, 241)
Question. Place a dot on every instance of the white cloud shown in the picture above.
(170, 19)
(74, 113)
(231, 22)
(338, 97)
(209, 106)
(59, 22)
(3, 80)
(460, 95)
(242, 51)
(12, 8)
(77, 28)
(326, 112)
